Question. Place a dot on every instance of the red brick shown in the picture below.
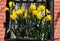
(3, 9)
(57, 8)
(56, 0)
(2, 15)
(1, 22)
(2, 19)
(2, 34)
(2, 5)
(4, 1)
(2, 30)
(57, 36)
(57, 24)
(56, 5)
(1, 12)
(1, 39)
(57, 40)
(1, 26)
(56, 20)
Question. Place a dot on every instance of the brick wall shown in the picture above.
(2, 19)
(56, 19)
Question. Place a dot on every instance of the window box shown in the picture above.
(24, 35)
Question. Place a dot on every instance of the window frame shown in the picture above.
(52, 22)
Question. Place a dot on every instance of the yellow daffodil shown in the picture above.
(26, 15)
(19, 12)
(11, 4)
(47, 12)
(41, 8)
(13, 16)
(35, 12)
(48, 18)
(14, 12)
(39, 16)
(6, 8)
(22, 8)
(33, 7)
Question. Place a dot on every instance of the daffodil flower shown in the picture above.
(19, 12)
(35, 12)
(26, 14)
(22, 8)
(39, 16)
(14, 12)
(41, 8)
(6, 8)
(11, 4)
(33, 7)
(48, 18)
(47, 12)
(13, 16)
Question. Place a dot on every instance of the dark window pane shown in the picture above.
(24, 0)
(17, 0)
(44, 0)
(31, 0)
(39, 0)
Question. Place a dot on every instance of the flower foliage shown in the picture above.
(30, 21)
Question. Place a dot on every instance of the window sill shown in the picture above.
(25, 39)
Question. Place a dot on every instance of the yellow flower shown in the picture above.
(26, 14)
(41, 8)
(35, 12)
(11, 4)
(22, 8)
(13, 16)
(48, 18)
(14, 12)
(6, 8)
(32, 7)
(47, 12)
(19, 12)
(39, 16)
